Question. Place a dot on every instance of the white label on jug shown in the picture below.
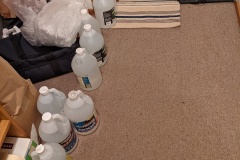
(84, 82)
(70, 141)
(109, 16)
(101, 55)
(87, 125)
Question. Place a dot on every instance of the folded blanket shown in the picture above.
(147, 14)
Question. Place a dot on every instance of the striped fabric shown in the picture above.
(144, 0)
(147, 14)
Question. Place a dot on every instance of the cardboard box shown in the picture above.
(22, 147)
(6, 156)
(19, 98)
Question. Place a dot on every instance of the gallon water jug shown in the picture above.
(49, 151)
(93, 42)
(105, 12)
(79, 109)
(57, 128)
(85, 67)
(50, 100)
(86, 18)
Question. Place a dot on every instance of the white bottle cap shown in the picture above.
(43, 90)
(40, 149)
(87, 27)
(46, 117)
(84, 11)
(80, 51)
(73, 95)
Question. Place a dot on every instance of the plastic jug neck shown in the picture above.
(75, 101)
(89, 30)
(73, 95)
(49, 125)
(44, 90)
(36, 155)
(87, 27)
(85, 17)
(47, 117)
(81, 52)
(43, 152)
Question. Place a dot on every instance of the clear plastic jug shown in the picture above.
(93, 42)
(85, 67)
(49, 151)
(57, 128)
(79, 108)
(50, 100)
(86, 18)
(105, 12)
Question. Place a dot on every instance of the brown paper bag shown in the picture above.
(18, 97)
(5, 12)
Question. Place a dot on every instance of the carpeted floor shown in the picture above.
(168, 94)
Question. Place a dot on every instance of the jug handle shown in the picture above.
(61, 128)
(35, 156)
(59, 117)
(82, 95)
(58, 95)
(55, 91)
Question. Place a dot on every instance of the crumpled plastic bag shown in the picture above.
(26, 10)
(56, 23)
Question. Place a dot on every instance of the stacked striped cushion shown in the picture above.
(147, 14)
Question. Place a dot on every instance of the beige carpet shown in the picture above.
(168, 94)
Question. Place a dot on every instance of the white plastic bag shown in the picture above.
(27, 11)
(58, 23)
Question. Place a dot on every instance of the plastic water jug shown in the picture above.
(49, 151)
(105, 12)
(79, 108)
(57, 128)
(50, 100)
(85, 67)
(93, 42)
(86, 18)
